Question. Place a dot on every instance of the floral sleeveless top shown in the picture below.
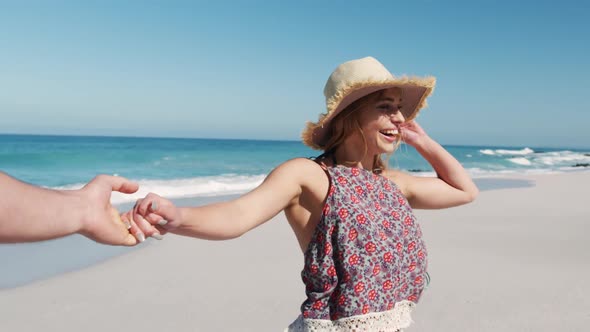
(365, 266)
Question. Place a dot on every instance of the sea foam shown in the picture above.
(192, 187)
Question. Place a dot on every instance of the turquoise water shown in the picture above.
(210, 167)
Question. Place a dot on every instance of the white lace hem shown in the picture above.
(387, 321)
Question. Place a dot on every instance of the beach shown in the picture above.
(516, 259)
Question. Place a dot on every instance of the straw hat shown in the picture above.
(357, 78)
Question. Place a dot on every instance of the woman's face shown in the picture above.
(380, 119)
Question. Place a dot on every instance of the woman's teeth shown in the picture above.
(389, 132)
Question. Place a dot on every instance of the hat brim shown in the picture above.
(415, 91)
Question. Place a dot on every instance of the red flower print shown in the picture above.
(317, 305)
(388, 256)
(354, 259)
(382, 236)
(399, 247)
(404, 288)
(355, 171)
(352, 234)
(372, 295)
(341, 300)
(411, 245)
(369, 186)
(359, 190)
(343, 213)
(371, 215)
(332, 188)
(326, 209)
(376, 269)
(354, 199)
(406, 232)
(361, 219)
(306, 314)
(320, 237)
(346, 277)
(389, 305)
(314, 269)
(332, 271)
(421, 254)
(418, 280)
(387, 285)
(386, 224)
(412, 267)
(377, 206)
(408, 221)
(331, 231)
(328, 248)
(401, 200)
(370, 247)
(359, 287)
(381, 195)
(342, 180)
(327, 286)
(412, 298)
(387, 186)
(395, 215)
(365, 309)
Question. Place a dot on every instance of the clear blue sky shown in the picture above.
(509, 73)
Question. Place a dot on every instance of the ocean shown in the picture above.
(186, 167)
(205, 170)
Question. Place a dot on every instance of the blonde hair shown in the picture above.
(347, 122)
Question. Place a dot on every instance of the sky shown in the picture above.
(508, 73)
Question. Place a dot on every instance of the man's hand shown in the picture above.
(101, 221)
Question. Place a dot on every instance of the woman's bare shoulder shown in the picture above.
(302, 167)
(400, 178)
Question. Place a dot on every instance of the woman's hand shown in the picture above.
(412, 133)
(152, 216)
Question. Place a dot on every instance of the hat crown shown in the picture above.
(355, 71)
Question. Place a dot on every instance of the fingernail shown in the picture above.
(140, 237)
(127, 224)
(158, 236)
(154, 206)
(162, 222)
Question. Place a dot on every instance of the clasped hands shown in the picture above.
(152, 216)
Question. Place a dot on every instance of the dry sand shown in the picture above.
(515, 260)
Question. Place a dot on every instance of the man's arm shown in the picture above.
(29, 213)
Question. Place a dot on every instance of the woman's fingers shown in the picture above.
(144, 225)
(155, 219)
(154, 204)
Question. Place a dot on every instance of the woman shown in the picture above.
(365, 262)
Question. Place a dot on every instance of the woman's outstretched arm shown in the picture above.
(225, 220)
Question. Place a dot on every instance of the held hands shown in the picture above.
(152, 216)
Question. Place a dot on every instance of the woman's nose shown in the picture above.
(397, 116)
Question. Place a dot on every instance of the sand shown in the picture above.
(515, 260)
